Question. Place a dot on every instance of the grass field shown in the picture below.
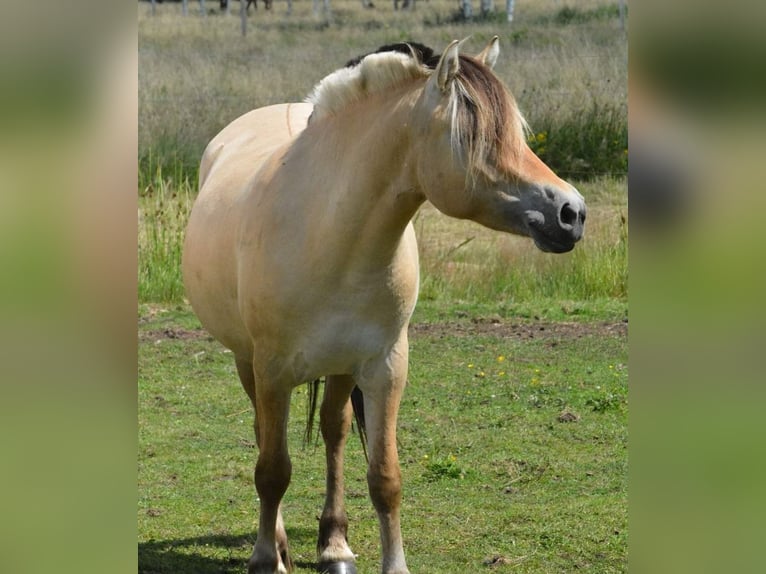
(513, 429)
(492, 470)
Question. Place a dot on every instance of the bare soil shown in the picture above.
(156, 335)
(493, 327)
(505, 328)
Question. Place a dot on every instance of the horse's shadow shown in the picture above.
(179, 556)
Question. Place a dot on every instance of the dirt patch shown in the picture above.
(475, 327)
(178, 333)
(520, 330)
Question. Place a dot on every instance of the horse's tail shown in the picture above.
(357, 403)
(311, 409)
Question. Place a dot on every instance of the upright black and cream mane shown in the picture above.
(486, 125)
(422, 53)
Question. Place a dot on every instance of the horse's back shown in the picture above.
(249, 139)
(227, 170)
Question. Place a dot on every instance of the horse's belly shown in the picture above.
(209, 268)
(226, 172)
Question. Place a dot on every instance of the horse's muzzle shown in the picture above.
(559, 224)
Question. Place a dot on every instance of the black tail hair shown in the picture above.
(311, 409)
(357, 403)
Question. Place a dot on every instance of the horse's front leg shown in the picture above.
(333, 552)
(247, 378)
(382, 383)
(272, 475)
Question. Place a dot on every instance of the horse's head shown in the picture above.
(474, 162)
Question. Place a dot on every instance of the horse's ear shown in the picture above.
(448, 65)
(488, 56)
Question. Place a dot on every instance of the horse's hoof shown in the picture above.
(337, 568)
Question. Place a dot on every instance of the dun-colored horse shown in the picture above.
(300, 254)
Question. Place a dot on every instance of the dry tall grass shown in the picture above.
(197, 74)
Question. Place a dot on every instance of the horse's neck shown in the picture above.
(364, 173)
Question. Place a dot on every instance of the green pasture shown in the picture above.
(512, 436)
(513, 428)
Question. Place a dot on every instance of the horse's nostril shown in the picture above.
(568, 215)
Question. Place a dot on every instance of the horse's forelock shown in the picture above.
(486, 123)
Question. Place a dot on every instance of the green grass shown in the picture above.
(164, 207)
(573, 14)
(589, 141)
(489, 469)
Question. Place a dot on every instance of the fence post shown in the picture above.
(185, 7)
(243, 16)
(487, 7)
(202, 8)
(467, 9)
(509, 6)
(325, 8)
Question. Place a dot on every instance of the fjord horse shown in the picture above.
(300, 255)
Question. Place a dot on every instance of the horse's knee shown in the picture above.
(272, 476)
(385, 485)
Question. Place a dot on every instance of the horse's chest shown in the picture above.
(334, 338)
(335, 346)
(333, 320)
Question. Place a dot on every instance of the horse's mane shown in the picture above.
(485, 120)
(363, 76)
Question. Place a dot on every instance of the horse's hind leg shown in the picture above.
(334, 554)
(247, 378)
